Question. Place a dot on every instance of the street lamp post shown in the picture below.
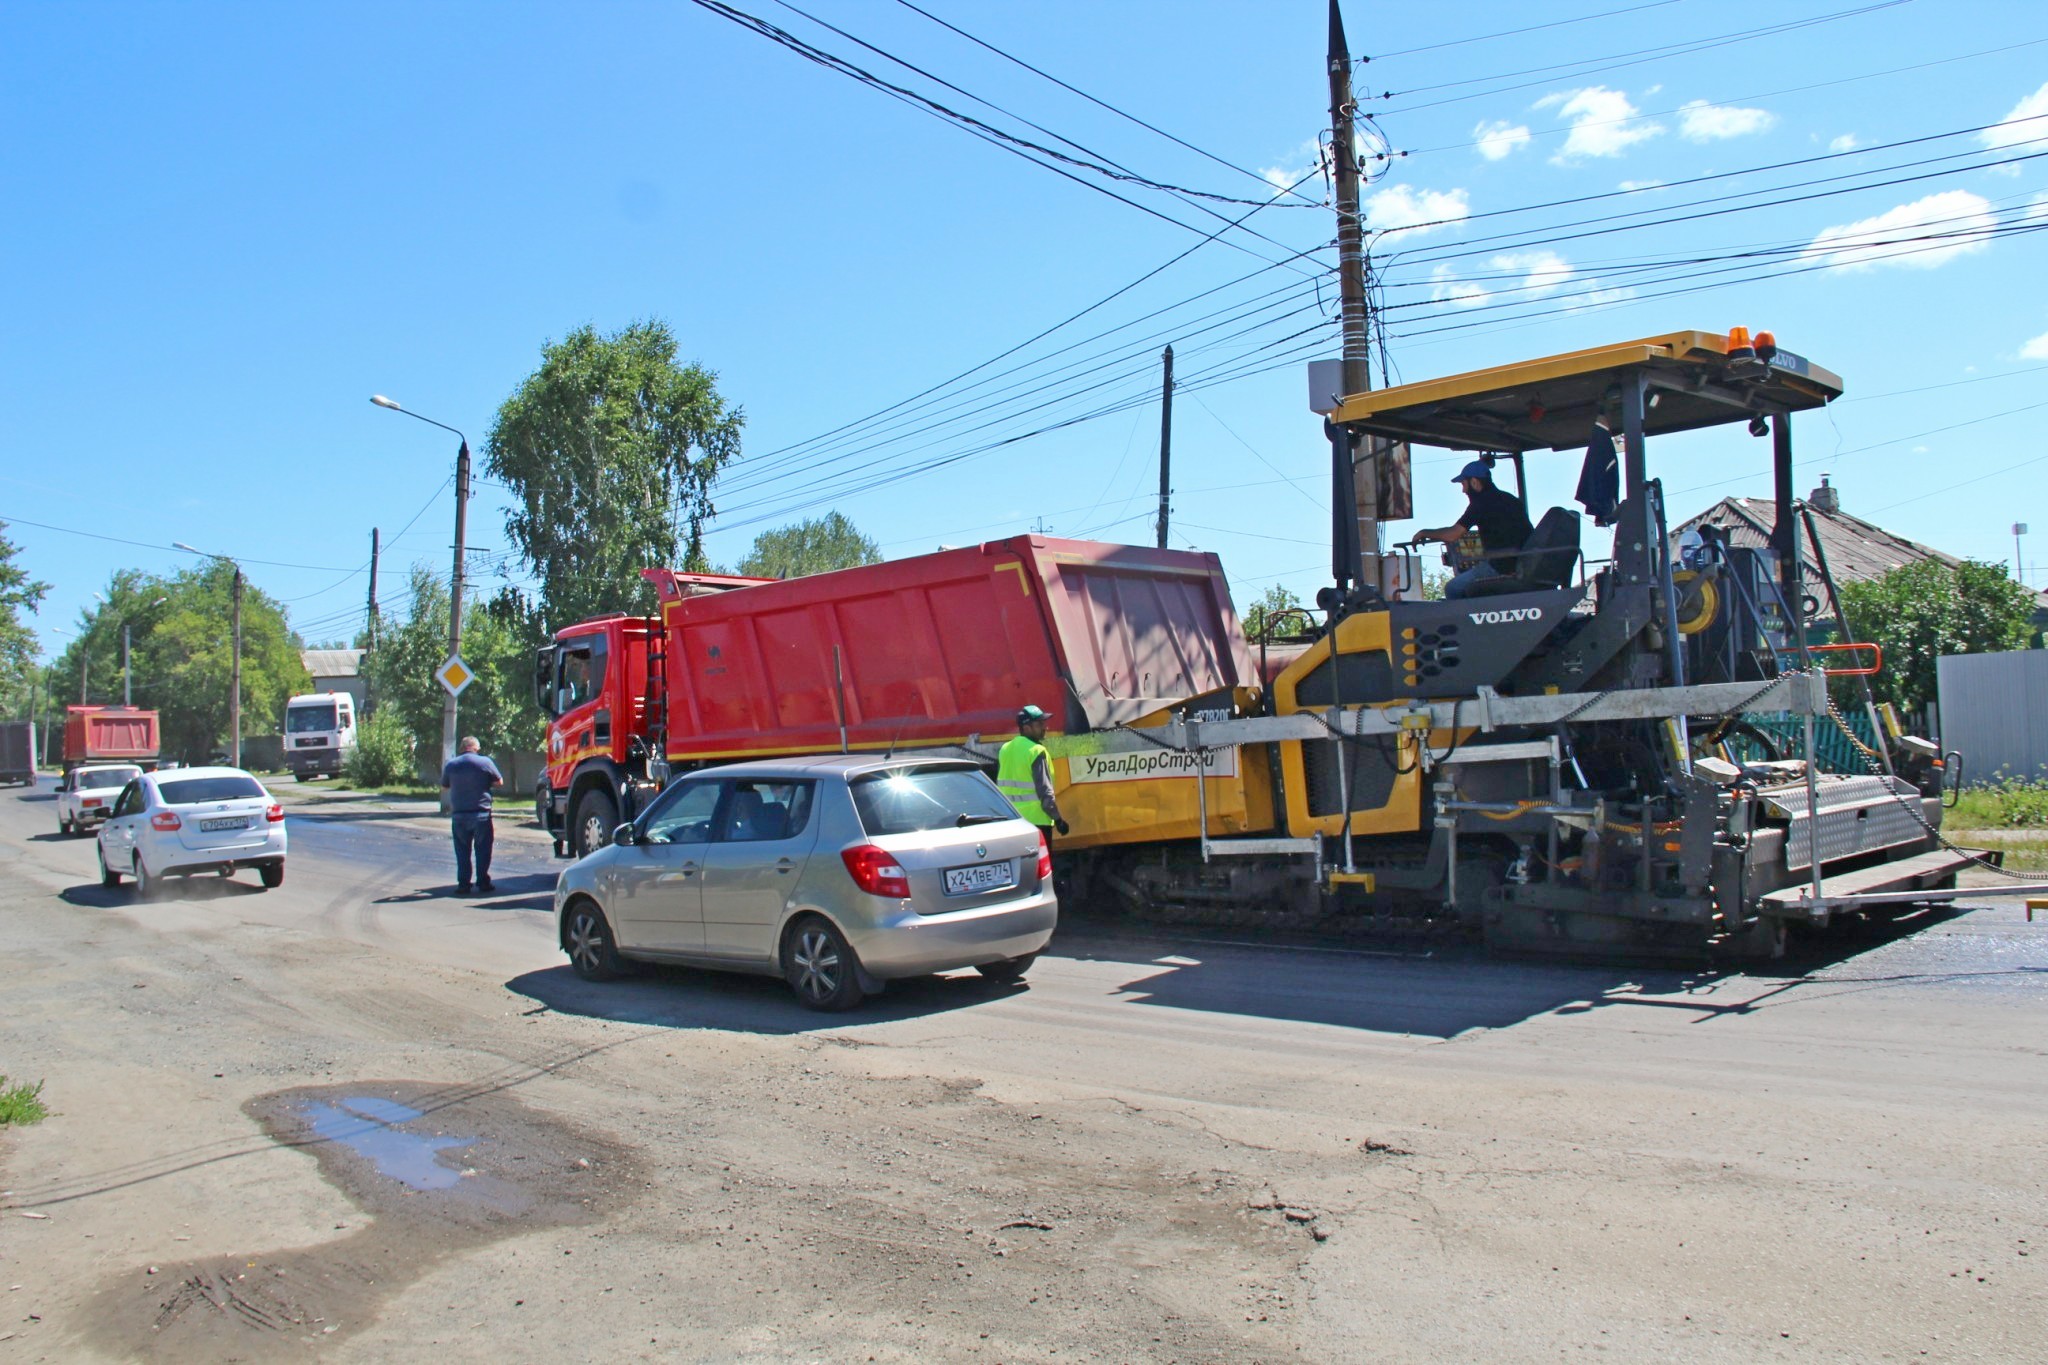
(127, 676)
(235, 696)
(448, 717)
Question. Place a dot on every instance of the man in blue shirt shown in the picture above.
(469, 777)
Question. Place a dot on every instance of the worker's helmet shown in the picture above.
(1476, 470)
(1027, 714)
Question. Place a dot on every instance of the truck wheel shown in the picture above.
(541, 802)
(597, 815)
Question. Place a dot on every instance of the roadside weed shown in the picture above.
(21, 1103)
(2003, 803)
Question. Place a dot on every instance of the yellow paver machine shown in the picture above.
(1547, 758)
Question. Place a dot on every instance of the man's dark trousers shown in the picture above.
(472, 832)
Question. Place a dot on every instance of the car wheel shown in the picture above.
(820, 967)
(272, 874)
(587, 939)
(597, 815)
(146, 885)
(64, 826)
(1010, 969)
(108, 877)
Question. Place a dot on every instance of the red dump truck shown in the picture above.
(930, 651)
(108, 734)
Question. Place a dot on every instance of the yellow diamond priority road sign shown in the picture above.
(454, 675)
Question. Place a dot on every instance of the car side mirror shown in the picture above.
(624, 834)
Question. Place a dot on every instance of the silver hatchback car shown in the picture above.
(837, 874)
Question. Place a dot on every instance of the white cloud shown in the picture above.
(1307, 159)
(2027, 121)
(2037, 349)
(1640, 184)
(1448, 288)
(1699, 121)
(1594, 298)
(1542, 271)
(1498, 138)
(1403, 209)
(1877, 241)
(1603, 122)
(1845, 143)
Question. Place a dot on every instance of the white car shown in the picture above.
(173, 824)
(88, 793)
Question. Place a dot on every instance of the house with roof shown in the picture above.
(337, 670)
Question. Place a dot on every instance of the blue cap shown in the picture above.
(1476, 470)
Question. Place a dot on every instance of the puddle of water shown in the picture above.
(368, 1126)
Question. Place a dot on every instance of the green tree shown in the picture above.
(19, 595)
(815, 545)
(1919, 612)
(498, 640)
(610, 450)
(183, 656)
(1266, 610)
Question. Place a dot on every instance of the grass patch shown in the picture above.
(339, 784)
(21, 1103)
(2021, 855)
(2004, 803)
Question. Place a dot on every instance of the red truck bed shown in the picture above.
(94, 734)
(939, 647)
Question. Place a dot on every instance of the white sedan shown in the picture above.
(176, 823)
(88, 793)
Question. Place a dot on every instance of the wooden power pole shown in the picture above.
(375, 547)
(1165, 440)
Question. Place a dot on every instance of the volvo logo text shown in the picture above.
(1498, 618)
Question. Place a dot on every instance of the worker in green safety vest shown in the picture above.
(1024, 772)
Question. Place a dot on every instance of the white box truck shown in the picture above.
(319, 733)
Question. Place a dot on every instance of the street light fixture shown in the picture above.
(235, 697)
(448, 717)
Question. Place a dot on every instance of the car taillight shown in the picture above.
(89, 802)
(1044, 857)
(877, 872)
(274, 814)
(165, 820)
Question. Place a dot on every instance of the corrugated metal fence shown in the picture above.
(1994, 710)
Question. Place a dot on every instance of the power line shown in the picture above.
(1598, 66)
(1092, 99)
(1514, 32)
(150, 545)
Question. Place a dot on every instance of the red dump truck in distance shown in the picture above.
(104, 734)
(924, 652)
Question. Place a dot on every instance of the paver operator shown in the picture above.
(469, 777)
(1024, 772)
(1498, 519)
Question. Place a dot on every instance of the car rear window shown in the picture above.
(95, 779)
(926, 798)
(188, 791)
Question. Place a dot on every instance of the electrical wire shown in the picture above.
(1516, 32)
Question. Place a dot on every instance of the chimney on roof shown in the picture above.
(1826, 498)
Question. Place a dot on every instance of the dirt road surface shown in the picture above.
(355, 1118)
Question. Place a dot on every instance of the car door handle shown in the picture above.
(785, 865)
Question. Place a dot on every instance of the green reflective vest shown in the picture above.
(1013, 775)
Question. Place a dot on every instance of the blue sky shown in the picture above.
(227, 225)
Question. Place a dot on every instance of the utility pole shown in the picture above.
(127, 677)
(1165, 440)
(1351, 276)
(448, 721)
(2019, 528)
(235, 698)
(374, 547)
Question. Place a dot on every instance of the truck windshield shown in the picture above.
(915, 799)
(301, 719)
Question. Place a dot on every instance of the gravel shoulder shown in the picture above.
(1161, 1149)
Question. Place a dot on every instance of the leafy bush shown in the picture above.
(383, 752)
(2004, 803)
